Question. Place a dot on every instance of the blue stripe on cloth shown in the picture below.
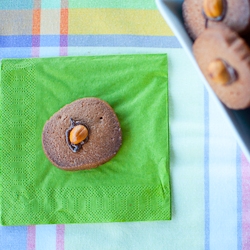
(15, 52)
(124, 41)
(206, 170)
(13, 238)
(16, 4)
(48, 4)
(15, 41)
(94, 40)
(50, 40)
(239, 198)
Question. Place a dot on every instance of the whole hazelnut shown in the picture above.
(78, 134)
(213, 8)
(220, 73)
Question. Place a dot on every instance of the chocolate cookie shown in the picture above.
(224, 59)
(199, 14)
(82, 135)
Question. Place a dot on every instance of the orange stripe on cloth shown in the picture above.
(36, 22)
(64, 22)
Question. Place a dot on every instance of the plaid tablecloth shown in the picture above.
(210, 175)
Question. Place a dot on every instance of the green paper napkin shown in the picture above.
(133, 186)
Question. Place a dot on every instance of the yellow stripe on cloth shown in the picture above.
(117, 21)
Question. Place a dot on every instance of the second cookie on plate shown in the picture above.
(224, 59)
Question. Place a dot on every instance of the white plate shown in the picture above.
(239, 120)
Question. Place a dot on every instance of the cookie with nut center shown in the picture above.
(224, 59)
(201, 14)
(82, 135)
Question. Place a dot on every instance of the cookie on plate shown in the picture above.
(200, 14)
(82, 135)
(224, 59)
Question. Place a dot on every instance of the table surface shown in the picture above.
(209, 173)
